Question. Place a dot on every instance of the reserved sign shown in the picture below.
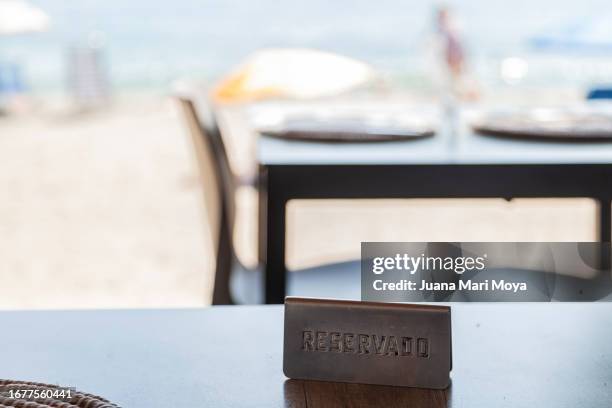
(367, 342)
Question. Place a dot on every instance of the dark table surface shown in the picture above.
(505, 355)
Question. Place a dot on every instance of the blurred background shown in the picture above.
(100, 199)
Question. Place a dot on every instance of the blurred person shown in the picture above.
(453, 48)
(452, 56)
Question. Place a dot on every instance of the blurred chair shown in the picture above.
(233, 282)
(11, 84)
(87, 76)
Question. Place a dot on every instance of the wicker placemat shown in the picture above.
(351, 130)
(554, 125)
(77, 399)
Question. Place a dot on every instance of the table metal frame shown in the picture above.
(283, 182)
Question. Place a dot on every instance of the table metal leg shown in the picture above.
(605, 231)
(605, 220)
(272, 207)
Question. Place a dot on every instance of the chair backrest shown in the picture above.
(218, 188)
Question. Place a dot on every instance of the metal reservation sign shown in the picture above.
(367, 342)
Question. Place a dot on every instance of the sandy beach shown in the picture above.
(104, 210)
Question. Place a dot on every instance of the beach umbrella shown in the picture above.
(17, 16)
(590, 35)
(292, 73)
